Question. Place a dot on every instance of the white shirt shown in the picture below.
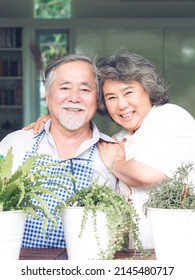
(23, 141)
(165, 140)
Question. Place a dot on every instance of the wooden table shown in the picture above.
(60, 254)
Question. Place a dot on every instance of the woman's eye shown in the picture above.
(111, 98)
(128, 92)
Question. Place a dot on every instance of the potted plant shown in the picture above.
(19, 197)
(111, 216)
(171, 210)
(97, 221)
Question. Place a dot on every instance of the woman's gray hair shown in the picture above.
(49, 72)
(127, 66)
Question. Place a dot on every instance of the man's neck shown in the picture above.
(68, 141)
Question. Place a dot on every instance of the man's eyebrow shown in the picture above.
(86, 84)
(89, 85)
(82, 83)
(64, 83)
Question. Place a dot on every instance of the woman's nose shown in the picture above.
(122, 103)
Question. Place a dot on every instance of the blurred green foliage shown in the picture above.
(52, 9)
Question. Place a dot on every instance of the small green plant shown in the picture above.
(177, 192)
(21, 190)
(122, 218)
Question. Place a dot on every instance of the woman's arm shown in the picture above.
(131, 172)
(38, 124)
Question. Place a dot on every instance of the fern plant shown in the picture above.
(122, 218)
(21, 190)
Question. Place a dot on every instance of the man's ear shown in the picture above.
(47, 95)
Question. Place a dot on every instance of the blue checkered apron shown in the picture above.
(82, 170)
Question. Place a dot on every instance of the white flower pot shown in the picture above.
(173, 233)
(11, 233)
(84, 247)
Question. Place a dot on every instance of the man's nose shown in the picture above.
(74, 95)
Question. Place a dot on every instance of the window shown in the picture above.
(51, 44)
(52, 9)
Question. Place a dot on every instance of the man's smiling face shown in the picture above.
(72, 98)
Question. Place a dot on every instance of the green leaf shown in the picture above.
(6, 166)
(169, 194)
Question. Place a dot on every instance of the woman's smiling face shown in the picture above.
(127, 102)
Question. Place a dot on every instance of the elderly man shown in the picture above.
(70, 137)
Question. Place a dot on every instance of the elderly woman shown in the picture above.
(156, 136)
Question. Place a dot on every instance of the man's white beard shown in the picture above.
(72, 122)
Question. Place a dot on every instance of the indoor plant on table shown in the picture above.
(19, 197)
(171, 210)
(96, 222)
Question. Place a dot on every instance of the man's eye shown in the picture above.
(85, 90)
(64, 88)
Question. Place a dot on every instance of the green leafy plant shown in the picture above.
(122, 218)
(21, 190)
(177, 192)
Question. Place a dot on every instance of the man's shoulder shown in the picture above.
(16, 139)
(106, 138)
(21, 134)
(99, 135)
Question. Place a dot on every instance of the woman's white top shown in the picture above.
(165, 140)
